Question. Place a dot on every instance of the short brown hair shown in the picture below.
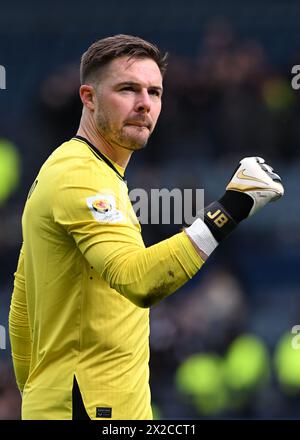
(103, 51)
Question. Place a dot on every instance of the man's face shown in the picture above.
(128, 101)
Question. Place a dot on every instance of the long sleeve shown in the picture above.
(19, 331)
(146, 275)
(95, 210)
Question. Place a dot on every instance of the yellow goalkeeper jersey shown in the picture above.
(83, 287)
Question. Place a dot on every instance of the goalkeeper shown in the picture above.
(79, 317)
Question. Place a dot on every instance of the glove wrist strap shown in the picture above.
(237, 204)
(218, 220)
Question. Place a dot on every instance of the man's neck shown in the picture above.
(117, 154)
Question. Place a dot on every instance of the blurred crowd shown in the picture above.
(227, 102)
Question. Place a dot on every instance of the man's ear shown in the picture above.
(87, 96)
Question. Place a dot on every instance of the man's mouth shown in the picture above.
(139, 124)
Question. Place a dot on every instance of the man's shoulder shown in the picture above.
(72, 155)
(71, 149)
(74, 163)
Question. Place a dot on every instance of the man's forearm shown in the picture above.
(147, 275)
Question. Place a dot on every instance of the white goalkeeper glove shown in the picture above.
(258, 180)
(252, 186)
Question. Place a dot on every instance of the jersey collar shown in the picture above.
(99, 155)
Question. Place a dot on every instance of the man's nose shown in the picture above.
(143, 103)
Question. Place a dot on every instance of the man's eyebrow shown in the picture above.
(133, 83)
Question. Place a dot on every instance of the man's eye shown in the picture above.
(154, 92)
(128, 88)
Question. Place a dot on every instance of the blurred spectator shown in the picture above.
(10, 399)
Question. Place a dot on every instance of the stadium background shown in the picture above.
(221, 346)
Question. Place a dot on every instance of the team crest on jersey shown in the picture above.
(103, 208)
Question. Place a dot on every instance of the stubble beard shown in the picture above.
(121, 138)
